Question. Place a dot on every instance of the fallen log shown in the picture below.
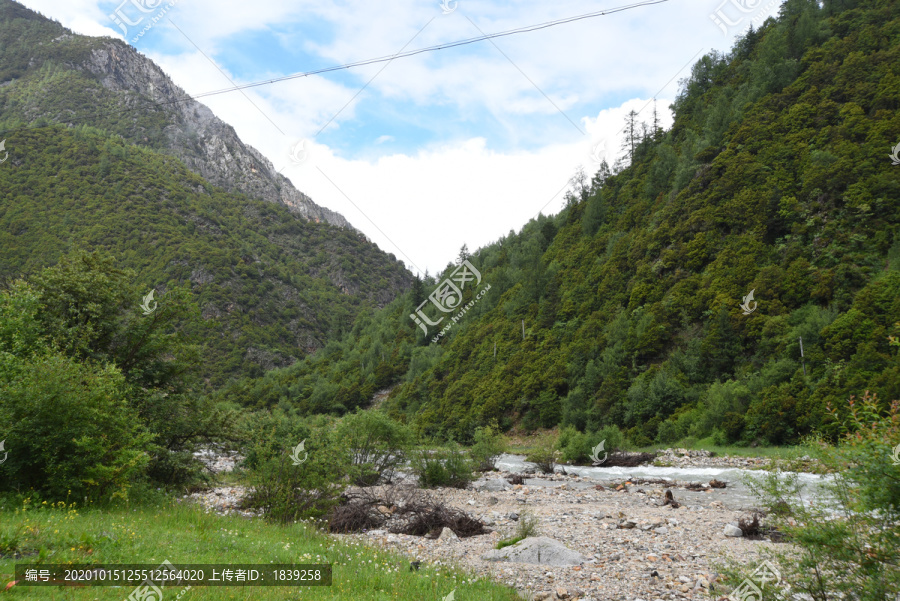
(625, 459)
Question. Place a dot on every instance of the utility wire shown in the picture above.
(391, 57)
(371, 61)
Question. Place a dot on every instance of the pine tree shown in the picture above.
(463, 254)
(656, 131)
(632, 134)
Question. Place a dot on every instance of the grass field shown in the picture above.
(153, 532)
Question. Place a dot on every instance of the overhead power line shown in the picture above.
(434, 48)
(371, 61)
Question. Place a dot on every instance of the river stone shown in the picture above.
(732, 530)
(537, 550)
(493, 485)
(447, 534)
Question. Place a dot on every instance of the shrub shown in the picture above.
(688, 442)
(544, 455)
(68, 429)
(283, 490)
(848, 542)
(377, 445)
(442, 467)
(637, 437)
(490, 443)
(614, 437)
(668, 432)
(574, 446)
(732, 426)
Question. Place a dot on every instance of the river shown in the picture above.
(735, 496)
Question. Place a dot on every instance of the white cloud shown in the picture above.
(472, 186)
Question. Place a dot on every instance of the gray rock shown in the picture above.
(447, 534)
(537, 550)
(204, 143)
(732, 530)
(513, 516)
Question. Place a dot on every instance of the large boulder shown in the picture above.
(492, 485)
(538, 550)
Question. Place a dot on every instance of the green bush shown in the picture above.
(668, 432)
(544, 455)
(688, 442)
(284, 490)
(732, 426)
(442, 467)
(614, 437)
(490, 443)
(847, 543)
(377, 444)
(574, 446)
(68, 429)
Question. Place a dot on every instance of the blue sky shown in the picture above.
(443, 148)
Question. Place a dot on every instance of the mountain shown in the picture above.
(52, 74)
(632, 307)
(95, 163)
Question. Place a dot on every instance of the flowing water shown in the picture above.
(735, 496)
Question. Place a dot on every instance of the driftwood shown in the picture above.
(670, 500)
(401, 510)
(625, 459)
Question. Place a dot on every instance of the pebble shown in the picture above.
(671, 559)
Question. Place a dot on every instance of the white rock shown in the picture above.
(537, 550)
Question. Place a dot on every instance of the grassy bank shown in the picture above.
(181, 534)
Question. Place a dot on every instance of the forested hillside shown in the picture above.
(775, 178)
(271, 286)
(50, 75)
(106, 153)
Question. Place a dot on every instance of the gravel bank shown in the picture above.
(638, 549)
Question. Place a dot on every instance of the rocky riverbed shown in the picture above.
(633, 547)
(626, 544)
